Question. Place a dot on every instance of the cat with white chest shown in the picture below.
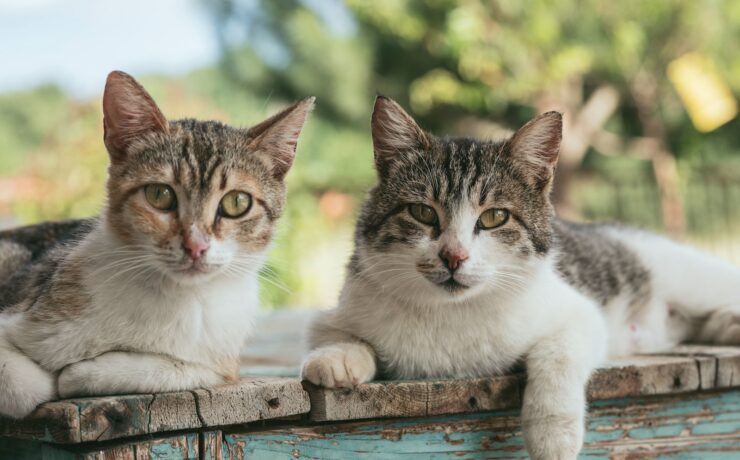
(158, 293)
(460, 269)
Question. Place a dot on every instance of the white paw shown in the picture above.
(23, 386)
(77, 379)
(343, 365)
(553, 437)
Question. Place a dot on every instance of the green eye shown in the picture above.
(161, 196)
(423, 213)
(235, 204)
(493, 218)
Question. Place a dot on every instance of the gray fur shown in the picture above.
(599, 265)
(29, 256)
(452, 171)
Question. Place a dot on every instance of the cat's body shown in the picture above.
(158, 293)
(91, 315)
(461, 270)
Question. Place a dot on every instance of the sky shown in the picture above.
(75, 43)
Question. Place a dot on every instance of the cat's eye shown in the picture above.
(493, 218)
(423, 213)
(161, 196)
(235, 204)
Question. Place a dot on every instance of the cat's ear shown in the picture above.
(129, 113)
(277, 136)
(535, 147)
(394, 132)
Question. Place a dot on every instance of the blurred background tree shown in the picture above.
(648, 90)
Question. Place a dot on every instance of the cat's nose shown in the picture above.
(195, 247)
(453, 257)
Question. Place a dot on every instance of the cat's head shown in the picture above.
(190, 198)
(451, 218)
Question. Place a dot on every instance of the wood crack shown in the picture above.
(198, 414)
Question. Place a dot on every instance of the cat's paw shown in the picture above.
(77, 379)
(343, 365)
(23, 386)
(553, 437)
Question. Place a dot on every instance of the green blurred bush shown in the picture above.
(475, 67)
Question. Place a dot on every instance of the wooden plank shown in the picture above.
(112, 417)
(645, 375)
(414, 398)
(211, 445)
(707, 426)
(370, 400)
(724, 372)
(635, 376)
(57, 421)
(180, 447)
(172, 411)
(125, 452)
(475, 395)
(251, 400)
(703, 426)
(686, 369)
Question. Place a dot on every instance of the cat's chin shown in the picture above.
(193, 275)
(449, 292)
(452, 285)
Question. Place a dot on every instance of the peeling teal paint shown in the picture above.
(709, 425)
(711, 414)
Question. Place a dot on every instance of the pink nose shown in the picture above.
(453, 257)
(195, 247)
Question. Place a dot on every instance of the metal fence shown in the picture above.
(711, 203)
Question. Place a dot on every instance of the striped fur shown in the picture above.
(451, 297)
(120, 303)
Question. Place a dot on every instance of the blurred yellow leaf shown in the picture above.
(706, 96)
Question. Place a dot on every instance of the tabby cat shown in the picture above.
(158, 293)
(460, 269)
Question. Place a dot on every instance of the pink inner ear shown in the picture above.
(129, 113)
(277, 137)
(394, 131)
(536, 145)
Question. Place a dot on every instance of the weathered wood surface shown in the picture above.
(415, 398)
(104, 418)
(705, 426)
(701, 427)
(181, 446)
(688, 369)
(688, 374)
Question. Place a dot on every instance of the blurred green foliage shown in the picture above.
(468, 67)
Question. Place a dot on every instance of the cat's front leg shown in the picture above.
(340, 365)
(128, 372)
(23, 383)
(338, 359)
(558, 369)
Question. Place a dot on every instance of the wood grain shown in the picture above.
(113, 417)
(251, 400)
(704, 426)
(727, 362)
(687, 369)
